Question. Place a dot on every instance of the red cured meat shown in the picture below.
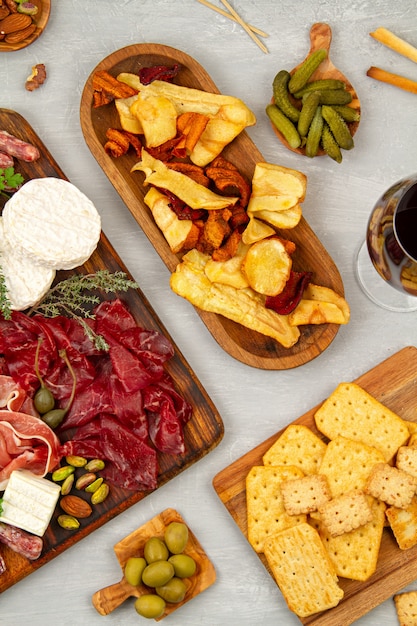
(26, 442)
(16, 147)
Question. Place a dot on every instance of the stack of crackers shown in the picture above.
(318, 505)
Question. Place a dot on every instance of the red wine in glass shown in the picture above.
(391, 249)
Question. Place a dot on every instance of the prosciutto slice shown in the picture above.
(26, 442)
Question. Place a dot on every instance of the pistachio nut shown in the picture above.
(92, 487)
(76, 461)
(67, 485)
(100, 494)
(62, 473)
(68, 522)
(84, 480)
(95, 465)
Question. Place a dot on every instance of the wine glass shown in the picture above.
(391, 249)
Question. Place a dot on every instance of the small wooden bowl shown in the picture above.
(109, 598)
(321, 37)
(40, 19)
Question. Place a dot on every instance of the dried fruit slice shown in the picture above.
(267, 266)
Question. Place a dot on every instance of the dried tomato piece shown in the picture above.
(287, 300)
(158, 72)
(181, 210)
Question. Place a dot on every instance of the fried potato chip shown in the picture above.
(267, 266)
(180, 234)
(316, 312)
(271, 180)
(319, 293)
(243, 306)
(193, 194)
(256, 230)
(128, 121)
(229, 272)
(157, 117)
(280, 219)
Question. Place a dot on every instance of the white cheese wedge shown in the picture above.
(29, 502)
(52, 223)
(26, 282)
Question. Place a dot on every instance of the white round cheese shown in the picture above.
(52, 223)
(26, 282)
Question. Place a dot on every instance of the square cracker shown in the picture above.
(353, 413)
(346, 512)
(391, 485)
(266, 514)
(355, 554)
(406, 607)
(403, 524)
(298, 446)
(347, 464)
(303, 570)
(305, 495)
(406, 459)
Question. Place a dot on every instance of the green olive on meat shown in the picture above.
(176, 537)
(155, 550)
(173, 591)
(150, 605)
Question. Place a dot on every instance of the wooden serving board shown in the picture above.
(203, 432)
(393, 382)
(241, 343)
(41, 20)
(109, 598)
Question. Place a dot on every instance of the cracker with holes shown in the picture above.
(353, 413)
(346, 512)
(299, 446)
(266, 514)
(347, 464)
(403, 524)
(305, 495)
(303, 570)
(406, 607)
(391, 485)
(407, 460)
(355, 554)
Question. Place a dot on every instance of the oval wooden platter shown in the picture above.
(40, 19)
(202, 433)
(109, 598)
(321, 38)
(241, 343)
(392, 382)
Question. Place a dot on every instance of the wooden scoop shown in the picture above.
(321, 38)
(109, 598)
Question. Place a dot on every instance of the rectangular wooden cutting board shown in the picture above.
(394, 383)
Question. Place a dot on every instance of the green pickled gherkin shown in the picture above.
(284, 125)
(308, 110)
(330, 145)
(281, 96)
(348, 113)
(314, 134)
(335, 96)
(323, 84)
(306, 69)
(338, 126)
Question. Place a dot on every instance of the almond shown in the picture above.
(75, 506)
(4, 11)
(20, 35)
(14, 22)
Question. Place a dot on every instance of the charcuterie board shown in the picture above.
(243, 344)
(393, 382)
(202, 433)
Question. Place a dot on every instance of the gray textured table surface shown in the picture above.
(253, 403)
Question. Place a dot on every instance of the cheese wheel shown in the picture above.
(52, 223)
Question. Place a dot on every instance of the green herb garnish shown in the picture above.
(73, 296)
(4, 298)
(9, 180)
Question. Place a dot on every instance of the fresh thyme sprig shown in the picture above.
(4, 298)
(73, 297)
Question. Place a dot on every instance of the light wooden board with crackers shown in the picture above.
(393, 382)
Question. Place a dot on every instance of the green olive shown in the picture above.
(157, 573)
(134, 569)
(176, 537)
(54, 418)
(173, 591)
(150, 605)
(155, 550)
(184, 565)
(43, 400)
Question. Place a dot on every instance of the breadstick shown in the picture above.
(393, 79)
(397, 44)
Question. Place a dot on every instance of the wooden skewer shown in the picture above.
(387, 38)
(393, 79)
(251, 30)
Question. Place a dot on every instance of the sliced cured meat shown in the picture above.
(6, 160)
(16, 147)
(14, 398)
(26, 442)
(20, 541)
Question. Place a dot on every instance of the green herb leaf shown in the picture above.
(4, 298)
(9, 180)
